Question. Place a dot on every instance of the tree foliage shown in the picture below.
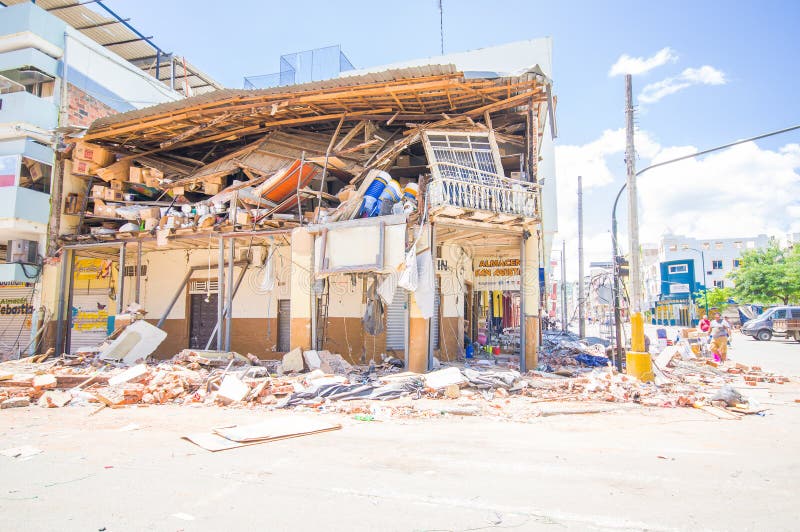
(768, 276)
(717, 298)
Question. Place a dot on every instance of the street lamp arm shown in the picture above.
(620, 349)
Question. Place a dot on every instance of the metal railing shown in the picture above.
(504, 196)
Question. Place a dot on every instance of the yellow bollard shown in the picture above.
(637, 333)
(638, 362)
(639, 365)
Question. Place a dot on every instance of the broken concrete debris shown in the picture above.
(477, 387)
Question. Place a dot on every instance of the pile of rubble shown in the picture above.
(323, 381)
(563, 353)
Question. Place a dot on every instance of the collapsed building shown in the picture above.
(404, 211)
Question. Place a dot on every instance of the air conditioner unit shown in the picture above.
(23, 252)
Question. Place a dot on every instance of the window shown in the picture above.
(779, 314)
(35, 175)
(719, 284)
(9, 170)
(685, 247)
(679, 268)
(738, 244)
(716, 264)
(735, 263)
(719, 245)
(751, 244)
(706, 245)
(673, 247)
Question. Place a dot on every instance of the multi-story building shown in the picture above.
(62, 66)
(688, 265)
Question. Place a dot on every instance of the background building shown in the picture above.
(687, 265)
(62, 66)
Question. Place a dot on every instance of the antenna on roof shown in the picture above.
(441, 25)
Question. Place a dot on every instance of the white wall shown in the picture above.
(166, 269)
(111, 79)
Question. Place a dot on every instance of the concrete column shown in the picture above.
(417, 338)
(301, 290)
(531, 303)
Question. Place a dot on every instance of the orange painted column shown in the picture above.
(417, 338)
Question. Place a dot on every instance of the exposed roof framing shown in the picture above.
(401, 97)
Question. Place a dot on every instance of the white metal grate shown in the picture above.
(204, 286)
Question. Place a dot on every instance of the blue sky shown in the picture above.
(753, 46)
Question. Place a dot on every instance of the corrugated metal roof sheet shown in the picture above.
(81, 17)
(397, 74)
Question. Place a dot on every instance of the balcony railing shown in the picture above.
(491, 192)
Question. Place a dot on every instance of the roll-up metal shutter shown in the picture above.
(16, 313)
(437, 302)
(89, 319)
(284, 324)
(396, 321)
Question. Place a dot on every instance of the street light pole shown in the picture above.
(618, 324)
(705, 285)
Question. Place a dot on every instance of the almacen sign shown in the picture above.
(494, 273)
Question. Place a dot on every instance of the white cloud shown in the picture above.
(640, 65)
(705, 75)
(743, 191)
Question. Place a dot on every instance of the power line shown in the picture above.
(441, 25)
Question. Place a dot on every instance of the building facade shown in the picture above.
(689, 265)
(55, 80)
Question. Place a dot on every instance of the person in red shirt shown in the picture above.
(705, 324)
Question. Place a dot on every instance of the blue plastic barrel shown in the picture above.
(373, 193)
(390, 195)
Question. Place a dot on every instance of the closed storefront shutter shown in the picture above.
(437, 302)
(284, 324)
(89, 319)
(396, 322)
(16, 313)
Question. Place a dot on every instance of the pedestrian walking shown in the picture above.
(720, 331)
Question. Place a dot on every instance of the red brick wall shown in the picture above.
(85, 109)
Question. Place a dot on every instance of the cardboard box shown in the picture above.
(99, 207)
(403, 161)
(244, 218)
(84, 167)
(98, 191)
(112, 195)
(152, 182)
(136, 175)
(93, 154)
(118, 185)
(346, 193)
(119, 171)
(150, 213)
(152, 173)
(211, 188)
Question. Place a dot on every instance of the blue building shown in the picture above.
(674, 305)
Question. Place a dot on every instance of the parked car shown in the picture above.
(760, 327)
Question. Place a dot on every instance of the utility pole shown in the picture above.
(633, 204)
(581, 288)
(564, 285)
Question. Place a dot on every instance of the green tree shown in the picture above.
(717, 298)
(768, 276)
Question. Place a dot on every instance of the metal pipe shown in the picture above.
(121, 280)
(432, 243)
(174, 299)
(138, 271)
(235, 289)
(523, 344)
(66, 269)
(229, 312)
(220, 290)
(581, 288)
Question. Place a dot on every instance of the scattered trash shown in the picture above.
(270, 430)
(21, 453)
